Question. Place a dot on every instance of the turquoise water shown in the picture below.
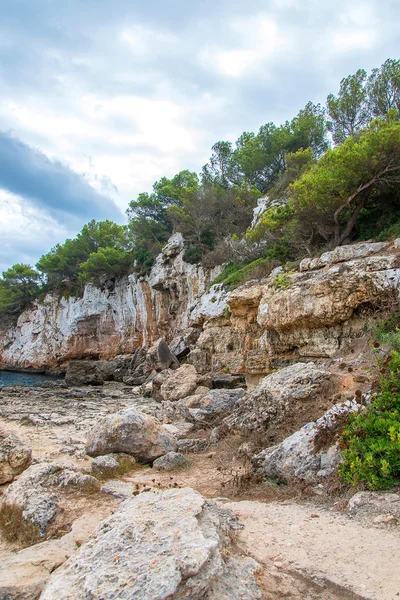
(29, 379)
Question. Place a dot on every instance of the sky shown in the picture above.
(100, 98)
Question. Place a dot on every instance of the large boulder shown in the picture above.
(15, 456)
(84, 372)
(132, 432)
(277, 396)
(310, 454)
(180, 383)
(157, 546)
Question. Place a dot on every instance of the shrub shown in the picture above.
(234, 275)
(388, 332)
(371, 440)
(192, 253)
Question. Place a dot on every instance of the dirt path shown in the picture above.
(322, 546)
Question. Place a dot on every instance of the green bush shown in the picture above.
(371, 440)
(388, 332)
(234, 275)
(193, 253)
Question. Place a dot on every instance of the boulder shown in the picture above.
(15, 456)
(160, 357)
(311, 453)
(84, 372)
(35, 492)
(105, 465)
(31, 494)
(277, 396)
(181, 345)
(157, 546)
(132, 432)
(181, 383)
(170, 462)
(23, 575)
(218, 403)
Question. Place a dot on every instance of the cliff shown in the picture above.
(119, 318)
(314, 312)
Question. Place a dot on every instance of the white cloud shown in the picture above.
(25, 230)
(259, 39)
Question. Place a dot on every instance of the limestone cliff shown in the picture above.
(128, 313)
(316, 311)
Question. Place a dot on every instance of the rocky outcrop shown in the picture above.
(131, 432)
(157, 546)
(15, 456)
(23, 575)
(120, 317)
(313, 313)
(310, 454)
(84, 372)
(278, 397)
(35, 492)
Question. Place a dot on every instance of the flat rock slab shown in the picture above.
(322, 545)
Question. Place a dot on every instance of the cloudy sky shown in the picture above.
(100, 98)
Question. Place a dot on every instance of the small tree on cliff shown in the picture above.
(19, 285)
(328, 198)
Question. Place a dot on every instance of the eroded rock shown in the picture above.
(15, 455)
(83, 372)
(170, 462)
(309, 454)
(131, 432)
(166, 545)
(278, 395)
(179, 384)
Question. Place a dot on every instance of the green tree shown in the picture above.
(328, 198)
(383, 88)
(348, 111)
(105, 263)
(310, 130)
(219, 170)
(19, 286)
(62, 264)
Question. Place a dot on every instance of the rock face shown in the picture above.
(156, 546)
(118, 318)
(83, 372)
(300, 456)
(310, 313)
(131, 432)
(277, 396)
(15, 456)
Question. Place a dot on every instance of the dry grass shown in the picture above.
(15, 528)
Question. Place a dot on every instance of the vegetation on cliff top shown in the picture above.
(330, 175)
